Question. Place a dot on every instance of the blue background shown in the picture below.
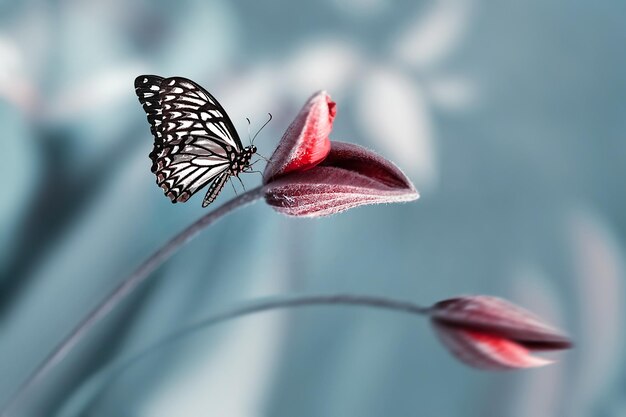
(508, 116)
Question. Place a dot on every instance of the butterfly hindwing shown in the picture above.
(187, 165)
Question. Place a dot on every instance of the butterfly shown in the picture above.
(195, 142)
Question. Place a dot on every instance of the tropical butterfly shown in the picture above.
(195, 142)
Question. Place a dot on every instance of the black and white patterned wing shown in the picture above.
(147, 88)
(195, 141)
(185, 166)
(188, 109)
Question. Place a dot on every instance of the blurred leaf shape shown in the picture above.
(393, 113)
(451, 93)
(243, 361)
(599, 267)
(430, 38)
(15, 86)
(93, 92)
(323, 63)
(22, 165)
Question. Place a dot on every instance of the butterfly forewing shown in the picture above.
(147, 88)
(188, 109)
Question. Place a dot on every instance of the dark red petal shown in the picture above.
(350, 176)
(305, 143)
(361, 160)
(500, 318)
(486, 351)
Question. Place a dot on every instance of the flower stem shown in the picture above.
(124, 288)
(307, 300)
(108, 376)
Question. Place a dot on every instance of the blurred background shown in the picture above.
(508, 116)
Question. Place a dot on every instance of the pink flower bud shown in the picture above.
(305, 143)
(350, 176)
(491, 333)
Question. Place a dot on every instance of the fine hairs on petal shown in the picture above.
(350, 176)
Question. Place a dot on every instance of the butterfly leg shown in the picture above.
(233, 185)
(244, 187)
(262, 157)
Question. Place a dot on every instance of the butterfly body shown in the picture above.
(195, 142)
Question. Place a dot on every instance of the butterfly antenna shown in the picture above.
(249, 130)
(259, 131)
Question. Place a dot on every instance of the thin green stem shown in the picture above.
(124, 288)
(259, 306)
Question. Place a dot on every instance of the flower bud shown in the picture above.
(310, 176)
(493, 334)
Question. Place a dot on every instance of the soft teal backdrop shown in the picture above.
(508, 116)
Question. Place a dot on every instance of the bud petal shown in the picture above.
(491, 333)
(306, 142)
(484, 351)
(349, 177)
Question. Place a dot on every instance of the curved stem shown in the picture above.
(273, 303)
(303, 301)
(125, 288)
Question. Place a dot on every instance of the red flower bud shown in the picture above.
(305, 143)
(491, 333)
(310, 176)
